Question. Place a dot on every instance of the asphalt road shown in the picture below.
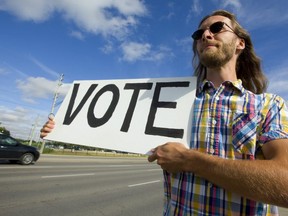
(82, 186)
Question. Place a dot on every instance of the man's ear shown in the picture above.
(241, 44)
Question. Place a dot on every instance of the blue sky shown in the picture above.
(113, 39)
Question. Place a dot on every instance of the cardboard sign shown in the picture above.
(133, 115)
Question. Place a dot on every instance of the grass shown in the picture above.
(89, 153)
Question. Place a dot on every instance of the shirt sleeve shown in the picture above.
(275, 125)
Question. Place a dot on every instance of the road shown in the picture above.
(82, 186)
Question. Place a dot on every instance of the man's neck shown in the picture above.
(219, 75)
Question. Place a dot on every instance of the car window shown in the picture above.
(7, 141)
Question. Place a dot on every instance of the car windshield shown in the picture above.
(6, 140)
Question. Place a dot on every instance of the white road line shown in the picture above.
(150, 170)
(68, 166)
(144, 183)
(71, 175)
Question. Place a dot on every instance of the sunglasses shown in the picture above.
(214, 29)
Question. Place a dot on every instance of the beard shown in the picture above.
(218, 58)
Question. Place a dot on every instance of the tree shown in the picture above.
(4, 131)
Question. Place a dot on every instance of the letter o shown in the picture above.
(96, 122)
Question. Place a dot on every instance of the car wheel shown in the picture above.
(27, 159)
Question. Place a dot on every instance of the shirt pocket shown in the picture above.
(244, 133)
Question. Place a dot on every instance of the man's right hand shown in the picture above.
(47, 127)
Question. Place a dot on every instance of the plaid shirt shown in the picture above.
(233, 123)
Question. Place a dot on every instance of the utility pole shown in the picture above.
(56, 94)
(33, 130)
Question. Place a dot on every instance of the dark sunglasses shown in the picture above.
(214, 28)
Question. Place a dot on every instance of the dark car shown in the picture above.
(14, 151)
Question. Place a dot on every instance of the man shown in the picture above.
(238, 156)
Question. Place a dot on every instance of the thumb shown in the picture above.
(51, 116)
(153, 156)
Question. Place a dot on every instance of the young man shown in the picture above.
(238, 156)
(237, 163)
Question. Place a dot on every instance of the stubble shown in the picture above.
(218, 57)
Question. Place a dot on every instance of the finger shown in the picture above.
(42, 135)
(150, 153)
(51, 124)
(47, 128)
(51, 116)
(152, 157)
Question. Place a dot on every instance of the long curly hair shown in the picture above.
(248, 65)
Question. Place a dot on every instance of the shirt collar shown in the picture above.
(206, 84)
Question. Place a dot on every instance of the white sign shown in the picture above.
(133, 115)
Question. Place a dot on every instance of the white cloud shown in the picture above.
(36, 11)
(249, 13)
(107, 48)
(255, 15)
(170, 13)
(17, 115)
(3, 71)
(8, 70)
(185, 44)
(44, 67)
(77, 34)
(133, 51)
(39, 88)
(278, 82)
(194, 10)
(235, 4)
(105, 17)
(159, 54)
(19, 121)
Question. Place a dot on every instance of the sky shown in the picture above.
(112, 39)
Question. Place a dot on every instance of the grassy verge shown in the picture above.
(89, 153)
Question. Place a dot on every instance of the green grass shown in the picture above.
(89, 153)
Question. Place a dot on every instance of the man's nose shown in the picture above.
(207, 34)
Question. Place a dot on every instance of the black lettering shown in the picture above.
(69, 116)
(167, 132)
(96, 122)
(129, 114)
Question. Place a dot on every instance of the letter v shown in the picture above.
(69, 116)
